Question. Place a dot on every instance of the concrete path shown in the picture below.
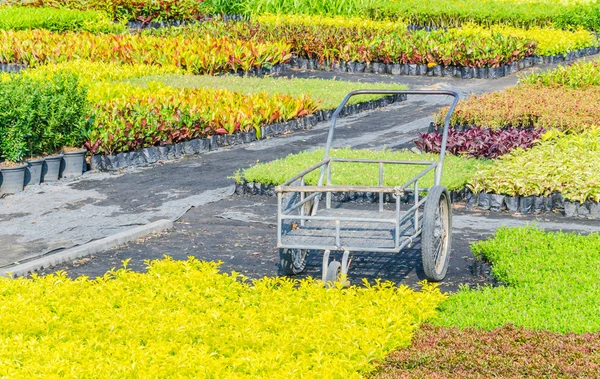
(50, 217)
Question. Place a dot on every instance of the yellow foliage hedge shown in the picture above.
(185, 319)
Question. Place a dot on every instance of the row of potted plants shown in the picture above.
(15, 176)
(43, 123)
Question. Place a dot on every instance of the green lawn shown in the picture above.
(457, 170)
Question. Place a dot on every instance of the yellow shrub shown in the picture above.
(92, 72)
(338, 21)
(549, 41)
(185, 319)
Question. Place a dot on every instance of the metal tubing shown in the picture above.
(302, 211)
(279, 218)
(300, 203)
(345, 262)
(380, 185)
(303, 173)
(420, 175)
(397, 231)
(416, 194)
(334, 117)
(325, 265)
(337, 233)
(374, 161)
(356, 219)
(339, 188)
(328, 194)
(406, 241)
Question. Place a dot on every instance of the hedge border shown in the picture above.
(462, 72)
(150, 155)
(395, 69)
(482, 201)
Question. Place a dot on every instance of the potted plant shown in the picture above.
(12, 167)
(73, 160)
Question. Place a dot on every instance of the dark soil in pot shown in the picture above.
(12, 178)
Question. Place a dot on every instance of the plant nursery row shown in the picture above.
(80, 104)
(339, 44)
(439, 13)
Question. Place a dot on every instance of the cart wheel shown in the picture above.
(334, 272)
(436, 237)
(292, 261)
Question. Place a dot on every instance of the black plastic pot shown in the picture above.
(526, 205)
(13, 179)
(73, 164)
(497, 202)
(484, 201)
(512, 203)
(51, 168)
(33, 172)
(471, 199)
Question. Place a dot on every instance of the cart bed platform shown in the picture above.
(362, 236)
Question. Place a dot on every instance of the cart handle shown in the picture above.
(438, 171)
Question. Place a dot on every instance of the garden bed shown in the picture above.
(218, 324)
(459, 172)
(462, 72)
(153, 154)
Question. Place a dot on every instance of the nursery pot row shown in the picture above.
(50, 169)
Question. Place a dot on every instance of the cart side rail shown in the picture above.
(438, 174)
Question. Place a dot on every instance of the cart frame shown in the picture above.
(310, 196)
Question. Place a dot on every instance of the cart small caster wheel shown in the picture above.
(292, 261)
(436, 237)
(334, 274)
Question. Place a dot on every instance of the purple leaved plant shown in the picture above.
(479, 142)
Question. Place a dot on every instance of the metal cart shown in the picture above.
(302, 225)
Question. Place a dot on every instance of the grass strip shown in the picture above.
(185, 319)
(329, 93)
(551, 283)
(457, 170)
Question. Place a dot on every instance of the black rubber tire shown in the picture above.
(436, 230)
(334, 272)
(292, 261)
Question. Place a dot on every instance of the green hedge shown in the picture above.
(39, 117)
(58, 20)
(527, 13)
(551, 283)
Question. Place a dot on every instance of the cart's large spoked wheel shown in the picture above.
(436, 237)
(292, 261)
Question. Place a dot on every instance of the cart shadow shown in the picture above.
(402, 268)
